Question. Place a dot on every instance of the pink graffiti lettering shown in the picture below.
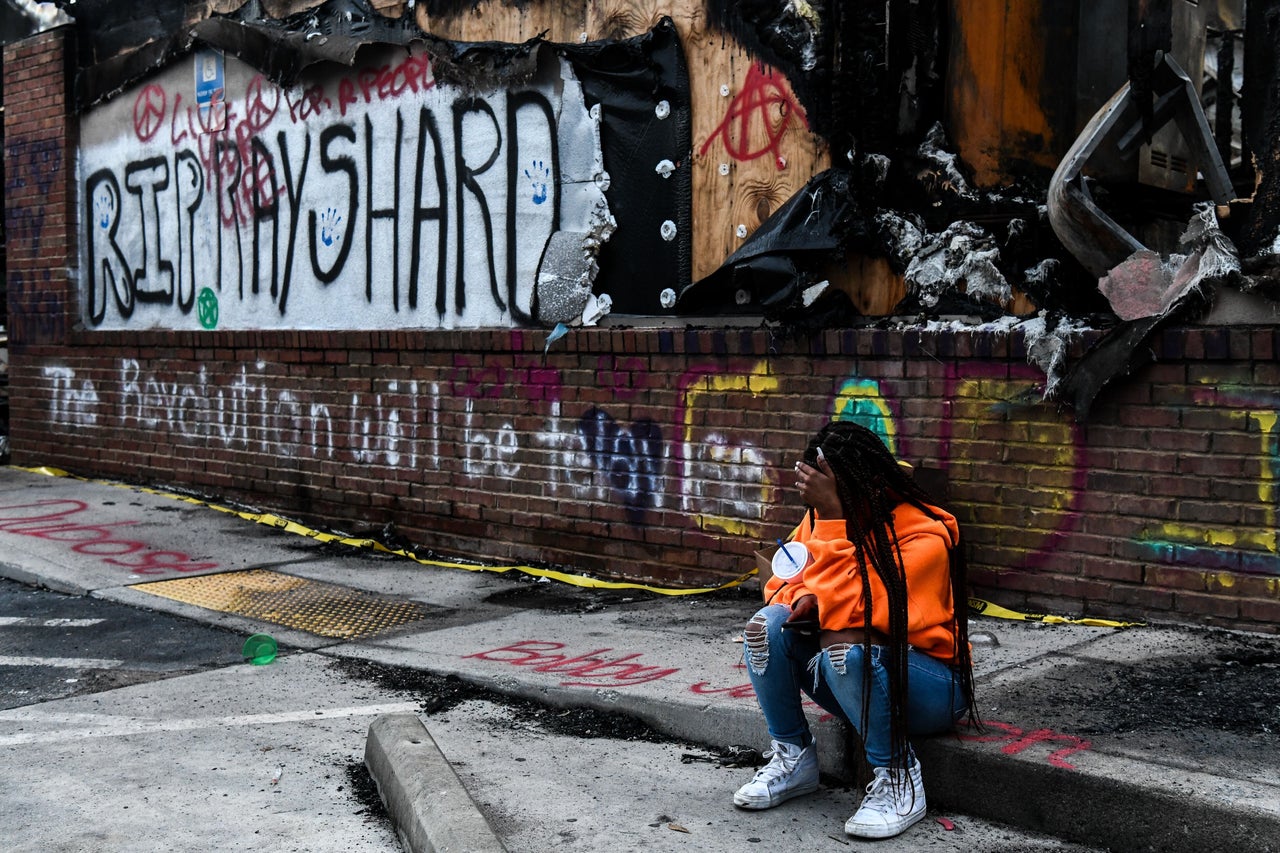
(1019, 740)
(48, 520)
(527, 379)
(414, 73)
(235, 161)
(740, 691)
(262, 100)
(176, 135)
(346, 95)
(585, 670)
(385, 83)
(148, 111)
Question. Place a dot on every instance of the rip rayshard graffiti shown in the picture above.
(376, 197)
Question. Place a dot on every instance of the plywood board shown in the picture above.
(752, 149)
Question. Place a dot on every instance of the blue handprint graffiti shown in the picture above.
(540, 179)
(104, 208)
(329, 222)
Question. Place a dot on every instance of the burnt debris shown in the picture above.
(1168, 198)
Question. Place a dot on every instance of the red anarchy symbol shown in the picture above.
(755, 106)
(261, 102)
(148, 112)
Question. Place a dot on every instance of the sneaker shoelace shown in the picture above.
(880, 794)
(780, 764)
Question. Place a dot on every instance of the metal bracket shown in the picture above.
(1093, 237)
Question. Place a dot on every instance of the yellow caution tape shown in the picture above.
(986, 608)
(272, 520)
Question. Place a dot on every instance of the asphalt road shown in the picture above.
(53, 646)
(124, 729)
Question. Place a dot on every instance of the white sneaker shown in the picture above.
(791, 771)
(892, 804)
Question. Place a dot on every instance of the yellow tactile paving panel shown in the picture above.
(324, 609)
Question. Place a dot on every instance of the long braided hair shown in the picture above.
(870, 483)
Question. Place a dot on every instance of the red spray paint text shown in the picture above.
(53, 520)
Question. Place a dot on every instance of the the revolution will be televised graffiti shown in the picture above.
(373, 197)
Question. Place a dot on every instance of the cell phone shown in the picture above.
(802, 625)
(812, 456)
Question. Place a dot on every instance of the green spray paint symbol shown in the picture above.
(207, 308)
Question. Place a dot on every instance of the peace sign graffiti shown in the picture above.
(148, 111)
(262, 99)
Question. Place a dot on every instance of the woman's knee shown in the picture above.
(763, 631)
(842, 659)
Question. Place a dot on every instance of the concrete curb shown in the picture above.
(431, 810)
(1116, 808)
(1119, 806)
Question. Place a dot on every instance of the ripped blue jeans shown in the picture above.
(783, 664)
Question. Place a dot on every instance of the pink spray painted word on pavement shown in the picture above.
(1017, 740)
(609, 668)
(55, 521)
(592, 669)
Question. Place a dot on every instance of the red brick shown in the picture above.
(1124, 571)
(1143, 597)
(1175, 578)
(1263, 344)
(1196, 604)
(1263, 612)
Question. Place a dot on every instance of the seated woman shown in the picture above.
(888, 651)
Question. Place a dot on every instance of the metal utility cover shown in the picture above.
(324, 609)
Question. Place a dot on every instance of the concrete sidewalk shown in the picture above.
(1151, 738)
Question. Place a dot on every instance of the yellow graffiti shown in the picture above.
(1222, 580)
(1188, 533)
(1267, 421)
(1036, 442)
(758, 381)
(724, 524)
(1264, 538)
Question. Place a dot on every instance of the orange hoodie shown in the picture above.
(834, 578)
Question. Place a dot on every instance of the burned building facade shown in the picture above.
(570, 284)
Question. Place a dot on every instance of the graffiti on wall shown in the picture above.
(1037, 485)
(614, 669)
(377, 198)
(710, 463)
(36, 310)
(1246, 543)
(593, 455)
(758, 118)
(696, 459)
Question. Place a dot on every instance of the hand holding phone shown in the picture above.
(804, 615)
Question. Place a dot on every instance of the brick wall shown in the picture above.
(39, 216)
(665, 455)
(653, 454)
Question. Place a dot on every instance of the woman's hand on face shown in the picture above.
(818, 488)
